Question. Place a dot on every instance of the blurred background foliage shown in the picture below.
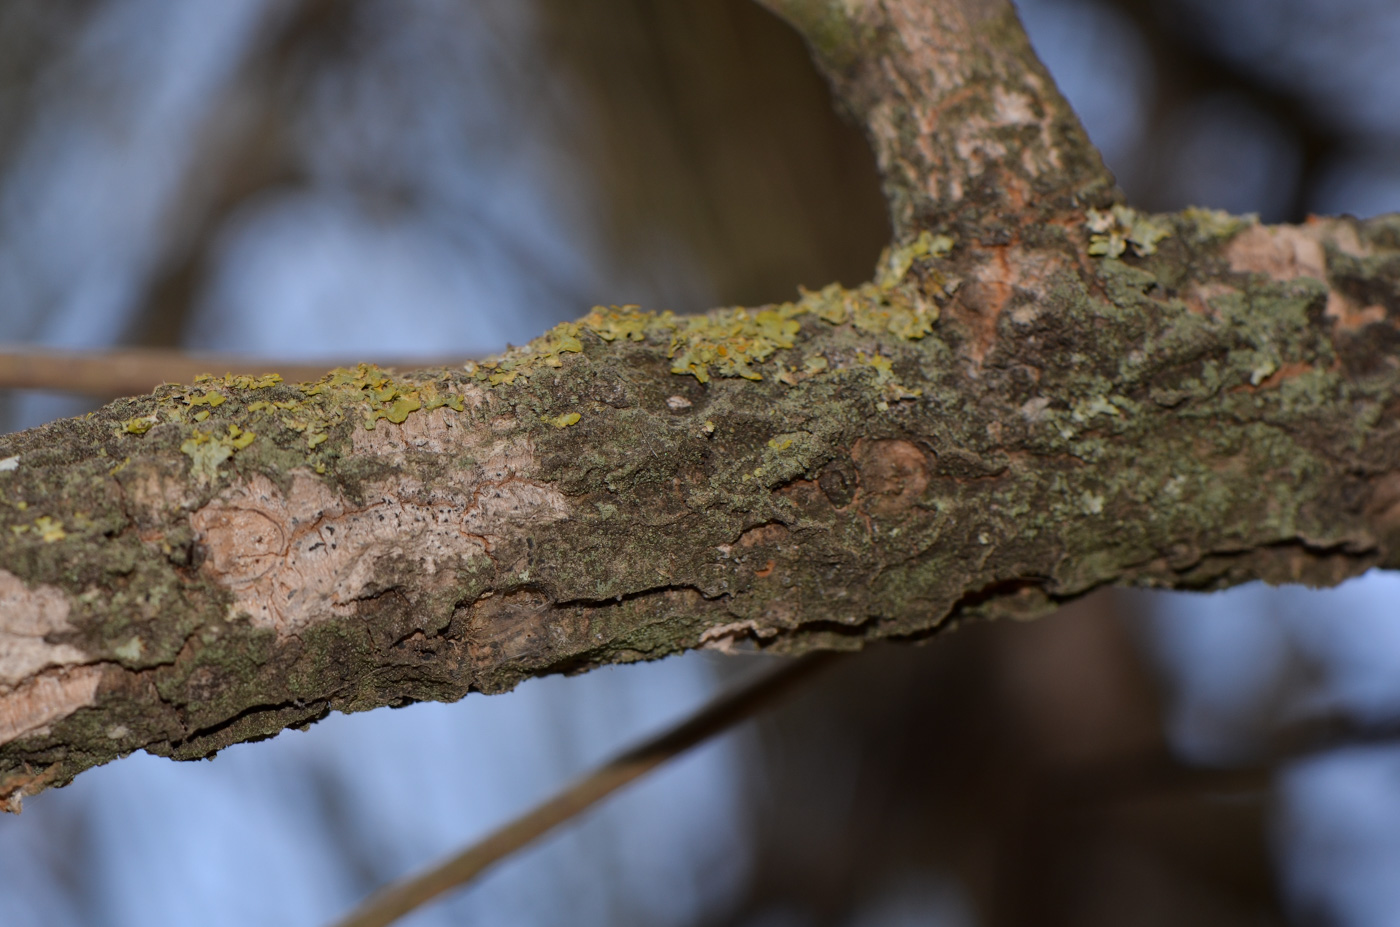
(309, 179)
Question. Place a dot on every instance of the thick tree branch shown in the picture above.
(1021, 407)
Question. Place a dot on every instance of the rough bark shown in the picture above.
(1031, 399)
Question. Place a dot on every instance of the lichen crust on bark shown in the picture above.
(1188, 400)
(1022, 405)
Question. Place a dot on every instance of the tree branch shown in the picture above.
(968, 128)
(1018, 409)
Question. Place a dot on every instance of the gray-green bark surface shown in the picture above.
(1040, 392)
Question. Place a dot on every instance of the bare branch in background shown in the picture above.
(135, 371)
(729, 709)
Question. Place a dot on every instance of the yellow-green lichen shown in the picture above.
(896, 260)
(1086, 409)
(211, 399)
(48, 529)
(731, 342)
(1116, 228)
(139, 425)
(241, 381)
(385, 397)
(873, 308)
(565, 420)
(612, 323)
(625, 322)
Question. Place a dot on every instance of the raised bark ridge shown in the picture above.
(1024, 404)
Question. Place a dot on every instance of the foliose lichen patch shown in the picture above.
(305, 414)
(1120, 226)
(732, 342)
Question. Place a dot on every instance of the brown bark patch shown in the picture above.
(508, 628)
(156, 490)
(1282, 252)
(724, 637)
(766, 534)
(1010, 279)
(893, 475)
(51, 696)
(1384, 507)
(310, 554)
(27, 618)
(1349, 315)
(437, 431)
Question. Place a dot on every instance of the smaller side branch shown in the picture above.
(967, 124)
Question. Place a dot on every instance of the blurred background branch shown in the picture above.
(133, 371)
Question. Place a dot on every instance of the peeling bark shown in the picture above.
(1040, 392)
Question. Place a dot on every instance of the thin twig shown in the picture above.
(134, 371)
(393, 902)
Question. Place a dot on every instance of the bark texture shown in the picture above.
(1040, 392)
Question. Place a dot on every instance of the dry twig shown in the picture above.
(393, 902)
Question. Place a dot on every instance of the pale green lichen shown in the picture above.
(1216, 223)
(1098, 405)
(785, 457)
(207, 451)
(1116, 228)
(130, 651)
(890, 388)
